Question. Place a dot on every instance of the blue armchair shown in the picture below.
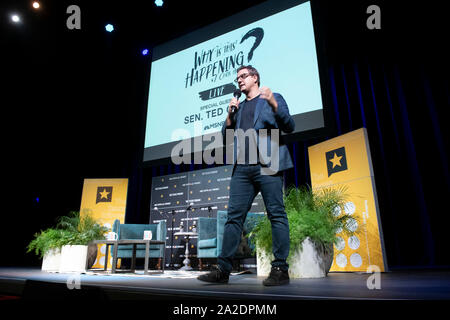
(210, 236)
(136, 231)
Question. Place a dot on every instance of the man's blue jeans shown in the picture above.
(245, 184)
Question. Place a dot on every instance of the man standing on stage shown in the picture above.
(261, 109)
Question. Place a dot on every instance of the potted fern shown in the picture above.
(314, 217)
(47, 245)
(65, 248)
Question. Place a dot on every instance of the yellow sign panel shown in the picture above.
(345, 161)
(105, 200)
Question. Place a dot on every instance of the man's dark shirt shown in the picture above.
(247, 117)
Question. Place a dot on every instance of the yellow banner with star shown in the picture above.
(105, 200)
(346, 161)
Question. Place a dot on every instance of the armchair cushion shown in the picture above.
(207, 243)
(211, 230)
(207, 228)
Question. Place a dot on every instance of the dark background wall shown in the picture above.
(74, 104)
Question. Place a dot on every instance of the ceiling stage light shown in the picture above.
(36, 5)
(109, 27)
(159, 3)
(145, 52)
(15, 18)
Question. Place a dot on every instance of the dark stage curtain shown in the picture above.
(394, 82)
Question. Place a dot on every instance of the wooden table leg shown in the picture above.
(147, 249)
(114, 264)
(133, 259)
(106, 257)
(164, 257)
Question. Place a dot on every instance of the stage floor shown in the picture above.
(32, 283)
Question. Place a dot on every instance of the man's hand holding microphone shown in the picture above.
(233, 107)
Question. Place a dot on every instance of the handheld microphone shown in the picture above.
(237, 94)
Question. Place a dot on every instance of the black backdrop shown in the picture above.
(184, 197)
(75, 106)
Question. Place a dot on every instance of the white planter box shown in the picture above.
(311, 262)
(73, 259)
(52, 260)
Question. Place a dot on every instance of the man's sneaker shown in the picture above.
(277, 277)
(215, 276)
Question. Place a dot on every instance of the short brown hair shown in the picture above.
(251, 71)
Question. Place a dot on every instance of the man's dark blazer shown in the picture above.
(265, 118)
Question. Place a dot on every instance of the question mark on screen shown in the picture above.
(258, 33)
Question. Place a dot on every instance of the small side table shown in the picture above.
(134, 242)
(186, 260)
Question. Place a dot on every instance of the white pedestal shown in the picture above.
(307, 263)
(73, 259)
(52, 260)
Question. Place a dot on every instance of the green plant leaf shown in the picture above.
(69, 230)
(311, 213)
